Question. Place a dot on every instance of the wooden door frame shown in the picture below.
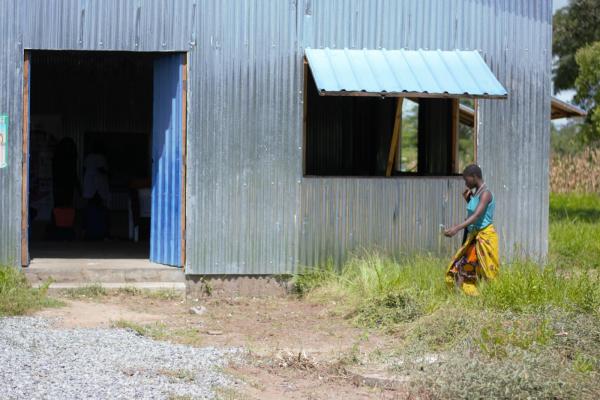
(25, 163)
(25, 159)
(184, 91)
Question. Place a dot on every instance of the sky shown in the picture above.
(556, 4)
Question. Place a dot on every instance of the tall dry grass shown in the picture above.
(578, 173)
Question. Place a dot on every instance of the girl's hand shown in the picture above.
(467, 195)
(451, 232)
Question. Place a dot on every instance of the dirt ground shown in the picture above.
(296, 349)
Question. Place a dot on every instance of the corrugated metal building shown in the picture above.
(248, 206)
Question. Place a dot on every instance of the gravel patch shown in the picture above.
(39, 362)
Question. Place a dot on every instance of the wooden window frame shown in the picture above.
(475, 130)
(305, 73)
(396, 135)
(454, 137)
(455, 131)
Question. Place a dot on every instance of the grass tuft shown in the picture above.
(179, 375)
(17, 297)
(129, 291)
(156, 331)
(92, 291)
(161, 331)
(163, 294)
(160, 294)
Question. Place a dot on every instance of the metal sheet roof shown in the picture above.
(562, 109)
(558, 109)
(401, 72)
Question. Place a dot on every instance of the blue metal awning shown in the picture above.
(395, 73)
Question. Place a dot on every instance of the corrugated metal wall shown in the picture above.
(249, 209)
(341, 215)
(514, 37)
(11, 87)
(144, 25)
(244, 160)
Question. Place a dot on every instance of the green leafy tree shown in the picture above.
(588, 87)
(574, 26)
(567, 139)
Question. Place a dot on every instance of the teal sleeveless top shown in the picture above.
(487, 218)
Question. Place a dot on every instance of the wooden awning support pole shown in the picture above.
(454, 156)
(475, 129)
(395, 138)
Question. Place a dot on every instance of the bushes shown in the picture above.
(16, 295)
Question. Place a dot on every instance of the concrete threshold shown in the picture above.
(82, 272)
(94, 263)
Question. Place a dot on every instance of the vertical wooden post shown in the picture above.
(475, 128)
(454, 156)
(304, 115)
(395, 137)
(25, 165)
(183, 155)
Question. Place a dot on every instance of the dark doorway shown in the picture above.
(90, 111)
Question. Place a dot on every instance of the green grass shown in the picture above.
(531, 333)
(160, 294)
(161, 331)
(181, 397)
(92, 291)
(230, 394)
(378, 292)
(17, 297)
(96, 291)
(179, 375)
(574, 230)
(156, 331)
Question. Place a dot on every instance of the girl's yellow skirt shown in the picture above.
(476, 259)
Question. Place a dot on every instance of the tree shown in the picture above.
(567, 139)
(588, 87)
(575, 26)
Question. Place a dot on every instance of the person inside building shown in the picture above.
(64, 184)
(478, 256)
(64, 173)
(97, 193)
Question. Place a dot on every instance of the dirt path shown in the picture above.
(86, 314)
(296, 348)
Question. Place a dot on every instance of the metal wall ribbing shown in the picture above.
(514, 37)
(249, 210)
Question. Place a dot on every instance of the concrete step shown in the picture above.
(102, 271)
